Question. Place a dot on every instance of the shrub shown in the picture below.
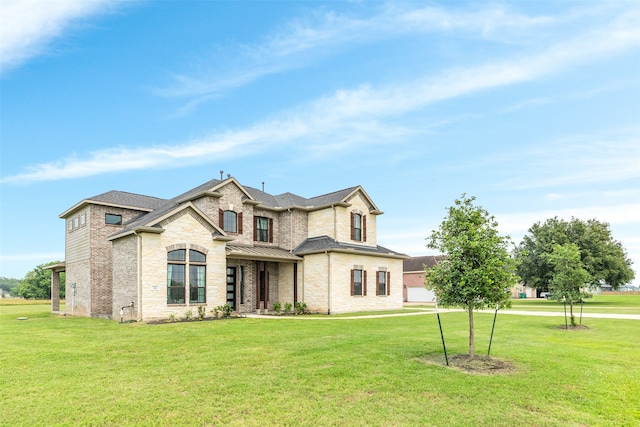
(301, 307)
(287, 308)
(188, 315)
(201, 312)
(277, 307)
(173, 318)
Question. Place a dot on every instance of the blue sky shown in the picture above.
(532, 107)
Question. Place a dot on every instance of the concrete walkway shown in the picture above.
(424, 311)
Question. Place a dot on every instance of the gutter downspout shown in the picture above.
(335, 225)
(328, 282)
(139, 250)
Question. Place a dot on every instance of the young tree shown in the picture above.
(569, 275)
(477, 270)
(602, 257)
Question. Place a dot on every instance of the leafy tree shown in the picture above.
(602, 257)
(7, 284)
(569, 275)
(37, 283)
(477, 270)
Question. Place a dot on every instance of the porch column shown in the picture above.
(55, 291)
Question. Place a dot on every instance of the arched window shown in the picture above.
(230, 221)
(177, 267)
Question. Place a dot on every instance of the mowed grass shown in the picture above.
(351, 372)
(618, 304)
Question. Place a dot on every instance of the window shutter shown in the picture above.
(352, 282)
(240, 223)
(364, 285)
(255, 228)
(377, 283)
(270, 230)
(221, 218)
(388, 283)
(353, 230)
(364, 228)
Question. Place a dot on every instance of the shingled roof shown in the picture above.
(417, 263)
(325, 243)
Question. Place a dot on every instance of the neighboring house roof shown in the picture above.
(321, 244)
(419, 262)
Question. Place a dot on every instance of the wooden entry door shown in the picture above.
(231, 287)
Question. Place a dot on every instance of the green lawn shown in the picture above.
(361, 372)
(619, 304)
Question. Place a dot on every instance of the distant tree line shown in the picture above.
(35, 285)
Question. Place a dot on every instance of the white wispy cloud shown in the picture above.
(307, 40)
(350, 116)
(27, 27)
(579, 159)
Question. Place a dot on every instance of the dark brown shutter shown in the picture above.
(221, 218)
(270, 230)
(352, 274)
(364, 228)
(377, 283)
(388, 283)
(240, 223)
(266, 286)
(353, 230)
(364, 285)
(255, 228)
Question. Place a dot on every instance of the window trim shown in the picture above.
(108, 215)
(259, 235)
(358, 234)
(191, 262)
(387, 279)
(363, 282)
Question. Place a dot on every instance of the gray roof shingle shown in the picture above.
(323, 243)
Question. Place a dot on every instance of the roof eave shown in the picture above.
(86, 202)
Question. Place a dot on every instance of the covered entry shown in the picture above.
(258, 276)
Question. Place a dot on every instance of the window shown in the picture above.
(358, 282)
(382, 283)
(112, 219)
(358, 227)
(70, 225)
(83, 220)
(75, 222)
(230, 221)
(197, 276)
(177, 266)
(263, 229)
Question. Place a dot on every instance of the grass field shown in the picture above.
(80, 371)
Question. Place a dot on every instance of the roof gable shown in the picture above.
(156, 219)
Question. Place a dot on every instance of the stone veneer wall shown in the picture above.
(125, 277)
(292, 228)
(101, 262)
(182, 230)
(327, 283)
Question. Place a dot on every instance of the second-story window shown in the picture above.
(113, 219)
(263, 229)
(358, 227)
(230, 221)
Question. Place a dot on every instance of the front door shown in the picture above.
(231, 287)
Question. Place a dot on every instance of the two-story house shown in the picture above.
(223, 242)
